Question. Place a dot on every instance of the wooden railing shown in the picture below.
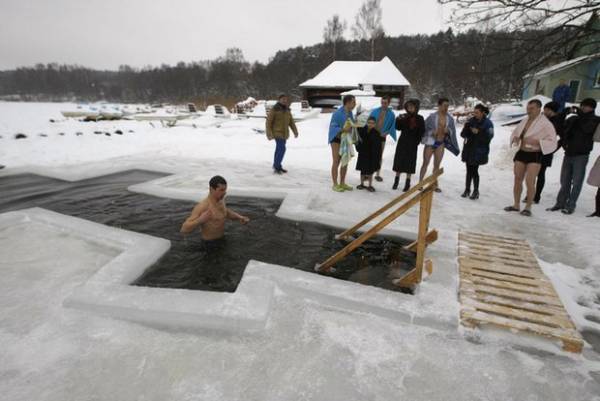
(422, 194)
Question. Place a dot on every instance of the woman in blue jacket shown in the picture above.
(478, 133)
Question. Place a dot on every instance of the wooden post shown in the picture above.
(427, 193)
(421, 184)
(424, 214)
(415, 276)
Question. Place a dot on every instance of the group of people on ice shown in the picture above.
(542, 132)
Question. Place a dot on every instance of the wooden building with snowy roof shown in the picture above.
(382, 77)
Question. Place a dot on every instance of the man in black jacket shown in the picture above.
(577, 142)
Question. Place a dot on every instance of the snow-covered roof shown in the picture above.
(352, 74)
(358, 92)
(563, 65)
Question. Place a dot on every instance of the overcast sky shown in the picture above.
(108, 33)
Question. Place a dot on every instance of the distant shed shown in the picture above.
(382, 77)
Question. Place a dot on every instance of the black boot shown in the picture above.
(466, 193)
(396, 182)
(474, 195)
(406, 185)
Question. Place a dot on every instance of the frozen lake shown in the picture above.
(313, 346)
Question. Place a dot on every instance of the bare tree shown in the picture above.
(235, 55)
(334, 32)
(367, 23)
(559, 26)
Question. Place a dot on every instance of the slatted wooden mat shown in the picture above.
(502, 284)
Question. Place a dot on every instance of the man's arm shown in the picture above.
(199, 216)
(231, 215)
(293, 125)
(269, 124)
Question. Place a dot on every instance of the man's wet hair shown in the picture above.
(386, 97)
(347, 99)
(443, 100)
(216, 181)
(535, 101)
(282, 96)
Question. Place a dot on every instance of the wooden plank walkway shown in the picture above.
(502, 284)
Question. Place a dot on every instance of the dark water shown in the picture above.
(189, 263)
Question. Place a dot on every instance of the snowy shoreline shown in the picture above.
(566, 245)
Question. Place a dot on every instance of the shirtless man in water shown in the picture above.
(211, 213)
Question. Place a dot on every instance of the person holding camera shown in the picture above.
(578, 142)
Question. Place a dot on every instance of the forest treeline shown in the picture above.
(456, 65)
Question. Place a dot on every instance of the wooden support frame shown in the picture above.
(424, 237)
(432, 179)
(415, 276)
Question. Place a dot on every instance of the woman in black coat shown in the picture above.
(478, 133)
(411, 126)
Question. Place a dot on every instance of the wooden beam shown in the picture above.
(570, 340)
(430, 238)
(507, 285)
(506, 277)
(429, 267)
(499, 292)
(424, 215)
(500, 268)
(432, 179)
(325, 266)
(410, 279)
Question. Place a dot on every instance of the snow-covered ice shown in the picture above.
(312, 347)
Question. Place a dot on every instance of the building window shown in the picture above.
(597, 79)
(574, 90)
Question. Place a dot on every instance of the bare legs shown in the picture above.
(527, 172)
(335, 165)
(519, 170)
(533, 169)
(428, 152)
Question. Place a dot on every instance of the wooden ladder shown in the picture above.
(422, 194)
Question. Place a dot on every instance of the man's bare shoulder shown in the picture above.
(201, 206)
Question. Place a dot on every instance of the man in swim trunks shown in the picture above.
(210, 214)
